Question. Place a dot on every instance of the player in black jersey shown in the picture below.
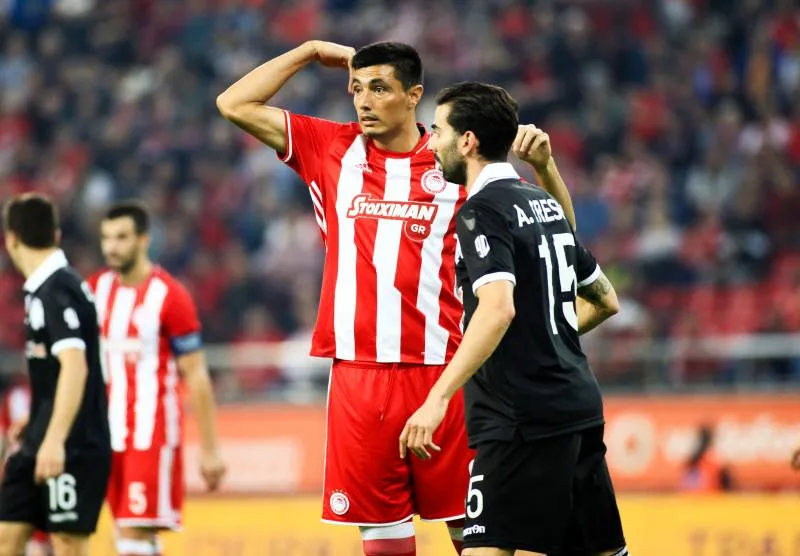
(539, 482)
(57, 480)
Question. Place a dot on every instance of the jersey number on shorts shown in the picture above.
(137, 498)
(63, 496)
(566, 274)
(477, 495)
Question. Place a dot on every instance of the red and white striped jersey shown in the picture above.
(388, 222)
(142, 330)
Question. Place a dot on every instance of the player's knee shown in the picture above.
(392, 540)
(70, 545)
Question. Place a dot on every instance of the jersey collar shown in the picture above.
(47, 268)
(493, 172)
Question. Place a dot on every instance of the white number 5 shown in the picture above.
(477, 495)
(137, 498)
(567, 277)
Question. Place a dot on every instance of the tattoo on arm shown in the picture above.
(595, 291)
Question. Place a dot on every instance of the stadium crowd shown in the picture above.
(674, 122)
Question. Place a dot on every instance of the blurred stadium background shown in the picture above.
(676, 124)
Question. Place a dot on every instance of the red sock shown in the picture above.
(391, 547)
(456, 530)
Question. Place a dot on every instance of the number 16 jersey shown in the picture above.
(538, 382)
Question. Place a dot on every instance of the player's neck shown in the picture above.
(474, 169)
(402, 140)
(31, 259)
(138, 274)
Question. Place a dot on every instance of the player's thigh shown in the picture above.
(13, 536)
(520, 494)
(487, 552)
(440, 483)
(73, 500)
(70, 544)
(595, 524)
(149, 489)
(366, 482)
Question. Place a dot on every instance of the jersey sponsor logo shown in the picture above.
(474, 530)
(71, 319)
(433, 182)
(35, 351)
(482, 246)
(130, 348)
(418, 217)
(339, 503)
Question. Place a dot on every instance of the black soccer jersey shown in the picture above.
(60, 314)
(538, 382)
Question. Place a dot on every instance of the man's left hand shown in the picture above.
(49, 460)
(532, 145)
(417, 435)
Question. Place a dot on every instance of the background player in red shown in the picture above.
(151, 341)
(14, 413)
(389, 315)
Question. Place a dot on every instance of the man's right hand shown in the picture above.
(332, 55)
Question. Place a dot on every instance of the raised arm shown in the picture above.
(532, 145)
(245, 102)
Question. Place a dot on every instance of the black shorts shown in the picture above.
(69, 503)
(552, 496)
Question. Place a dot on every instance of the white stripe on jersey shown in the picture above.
(385, 257)
(121, 312)
(436, 336)
(351, 181)
(148, 322)
(102, 291)
(319, 213)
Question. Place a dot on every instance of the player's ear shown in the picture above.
(468, 143)
(414, 95)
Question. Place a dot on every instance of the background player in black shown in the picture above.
(57, 480)
(539, 482)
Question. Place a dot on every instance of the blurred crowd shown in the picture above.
(674, 122)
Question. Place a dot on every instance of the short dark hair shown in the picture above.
(34, 219)
(134, 210)
(403, 58)
(486, 110)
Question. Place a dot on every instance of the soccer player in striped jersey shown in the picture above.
(389, 316)
(150, 343)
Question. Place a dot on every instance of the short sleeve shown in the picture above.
(487, 245)
(586, 268)
(181, 323)
(63, 322)
(307, 140)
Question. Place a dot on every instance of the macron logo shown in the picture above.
(474, 530)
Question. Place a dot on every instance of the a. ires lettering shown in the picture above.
(418, 217)
(543, 211)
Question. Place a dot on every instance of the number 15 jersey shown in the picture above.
(538, 382)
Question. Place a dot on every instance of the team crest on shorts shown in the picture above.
(433, 181)
(339, 503)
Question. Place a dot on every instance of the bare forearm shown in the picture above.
(69, 394)
(483, 335)
(201, 396)
(590, 316)
(550, 179)
(262, 83)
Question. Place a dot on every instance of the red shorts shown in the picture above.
(366, 482)
(146, 488)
